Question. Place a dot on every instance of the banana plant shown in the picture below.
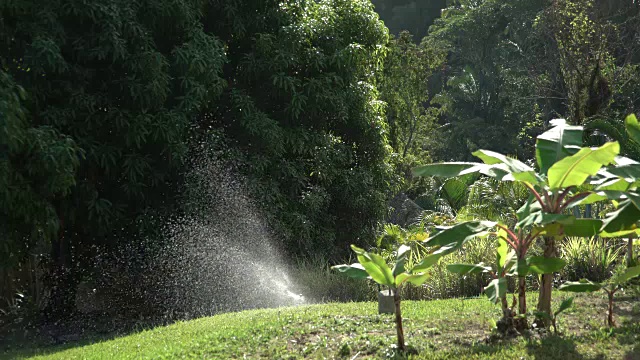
(496, 290)
(512, 259)
(520, 241)
(567, 175)
(373, 266)
(611, 287)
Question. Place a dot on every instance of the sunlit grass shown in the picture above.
(440, 329)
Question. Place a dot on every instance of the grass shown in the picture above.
(439, 329)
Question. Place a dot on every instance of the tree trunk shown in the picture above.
(401, 345)
(522, 295)
(546, 285)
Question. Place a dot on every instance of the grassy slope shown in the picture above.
(442, 329)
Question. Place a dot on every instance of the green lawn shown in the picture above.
(441, 329)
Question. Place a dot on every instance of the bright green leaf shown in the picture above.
(454, 237)
(545, 265)
(575, 169)
(622, 219)
(375, 266)
(516, 169)
(466, 269)
(558, 142)
(580, 286)
(417, 279)
(400, 279)
(564, 305)
(633, 127)
(496, 289)
(355, 271)
(501, 251)
(583, 227)
(627, 275)
(426, 262)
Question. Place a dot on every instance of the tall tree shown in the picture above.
(404, 86)
(122, 80)
(303, 107)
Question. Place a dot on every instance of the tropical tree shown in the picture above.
(122, 82)
(496, 290)
(404, 87)
(568, 175)
(37, 167)
(303, 109)
(512, 260)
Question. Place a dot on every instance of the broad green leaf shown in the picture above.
(417, 279)
(356, 271)
(400, 279)
(466, 269)
(564, 305)
(509, 263)
(627, 275)
(501, 251)
(375, 266)
(602, 195)
(580, 286)
(454, 237)
(399, 267)
(627, 172)
(401, 260)
(516, 169)
(496, 289)
(544, 265)
(498, 172)
(621, 233)
(622, 219)
(558, 142)
(615, 184)
(583, 227)
(540, 219)
(530, 207)
(426, 262)
(575, 169)
(447, 170)
(633, 127)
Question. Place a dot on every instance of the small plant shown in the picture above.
(373, 266)
(496, 290)
(611, 286)
(553, 318)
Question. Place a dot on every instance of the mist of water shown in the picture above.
(221, 257)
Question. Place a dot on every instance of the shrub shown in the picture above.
(588, 258)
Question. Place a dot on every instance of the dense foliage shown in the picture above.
(303, 106)
(103, 101)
